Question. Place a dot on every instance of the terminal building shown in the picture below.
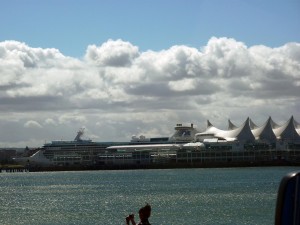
(247, 144)
(270, 133)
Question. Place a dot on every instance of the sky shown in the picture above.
(131, 67)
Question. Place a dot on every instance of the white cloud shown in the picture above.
(112, 53)
(32, 124)
(182, 85)
(50, 121)
(121, 88)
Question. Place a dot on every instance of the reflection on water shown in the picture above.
(178, 196)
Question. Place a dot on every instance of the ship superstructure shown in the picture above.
(84, 152)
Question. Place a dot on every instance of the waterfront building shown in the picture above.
(246, 144)
(242, 145)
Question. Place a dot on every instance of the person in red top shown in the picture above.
(144, 214)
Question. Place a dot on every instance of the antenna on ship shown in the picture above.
(79, 134)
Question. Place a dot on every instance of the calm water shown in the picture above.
(178, 196)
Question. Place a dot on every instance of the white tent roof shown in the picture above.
(209, 124)
(241, 133)
(265, 132)
(252, 124)
(249, 131)
(273, 124)
(287, 131)
(231, 126)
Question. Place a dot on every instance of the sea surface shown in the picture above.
(177, 196)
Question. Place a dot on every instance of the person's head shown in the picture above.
(145, 212)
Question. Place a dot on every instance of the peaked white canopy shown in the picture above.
(265, 132)
(249, 131)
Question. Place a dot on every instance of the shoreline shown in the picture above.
(17, 168)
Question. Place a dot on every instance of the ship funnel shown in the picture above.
(79, 134)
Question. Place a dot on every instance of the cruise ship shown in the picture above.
(82, 152)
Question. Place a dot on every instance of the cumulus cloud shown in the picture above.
(224, 78)
(112, 53)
